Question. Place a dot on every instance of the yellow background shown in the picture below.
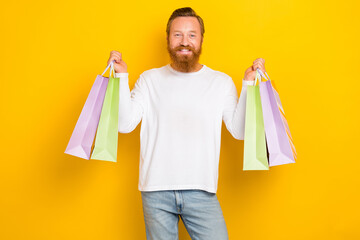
(51, 53)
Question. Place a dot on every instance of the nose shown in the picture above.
(184, 41)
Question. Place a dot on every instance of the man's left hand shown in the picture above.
(251, 71)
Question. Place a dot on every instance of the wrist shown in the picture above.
(121, 75)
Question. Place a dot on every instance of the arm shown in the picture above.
(131, 104)
(234, 109)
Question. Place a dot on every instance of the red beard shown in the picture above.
(186, 62)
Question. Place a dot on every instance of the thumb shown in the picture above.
(119, 58)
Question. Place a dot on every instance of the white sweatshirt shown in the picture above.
(181, 117)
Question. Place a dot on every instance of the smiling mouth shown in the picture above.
(184, 51)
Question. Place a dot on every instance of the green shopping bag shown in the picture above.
(106, 141)
(255, 154)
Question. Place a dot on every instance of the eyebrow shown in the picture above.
(189, 31)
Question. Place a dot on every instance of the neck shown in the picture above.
(194, 68)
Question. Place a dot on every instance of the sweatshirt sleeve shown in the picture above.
(132, 105)
(234, 109)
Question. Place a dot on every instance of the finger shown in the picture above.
(113, 58)
(114, 52)
(118, 59)
(260, 66)
(260, 63)
(117, 54)
(259, 60)
(256, 62)
(256, 65)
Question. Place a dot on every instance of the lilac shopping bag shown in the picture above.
(83, 135)
(278, 137)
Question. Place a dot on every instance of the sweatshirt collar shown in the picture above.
(186, 73)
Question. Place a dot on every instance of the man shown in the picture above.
(182, 106)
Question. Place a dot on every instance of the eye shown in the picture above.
(192, 35)
(177, 34)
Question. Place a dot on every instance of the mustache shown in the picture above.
(186, 48)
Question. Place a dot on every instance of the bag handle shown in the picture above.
(260, 74)
(111, 65)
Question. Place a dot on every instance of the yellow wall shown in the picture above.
(51, 53)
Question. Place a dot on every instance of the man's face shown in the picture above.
(184, 42)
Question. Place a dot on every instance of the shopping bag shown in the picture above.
(82, 138)
(255, 154)
(106, 140)
(278, 137)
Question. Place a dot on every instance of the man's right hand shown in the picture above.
(119, 65)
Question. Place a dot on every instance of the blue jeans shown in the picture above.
(199, 210)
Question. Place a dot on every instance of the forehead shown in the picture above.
(185, 24)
